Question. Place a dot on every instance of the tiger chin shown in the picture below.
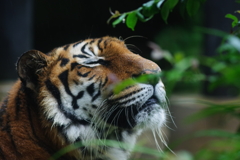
(66, 96)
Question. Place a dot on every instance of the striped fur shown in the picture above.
(66, 96)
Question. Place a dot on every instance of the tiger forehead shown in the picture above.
(90, 47)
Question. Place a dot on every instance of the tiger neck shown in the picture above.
(87, 135)
(24, 109)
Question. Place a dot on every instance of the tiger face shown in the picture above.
(74, 84)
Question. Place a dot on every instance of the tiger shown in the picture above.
(67, 96)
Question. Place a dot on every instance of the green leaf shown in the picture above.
(171, 4)
(234, 18)
(167, 8)
(149, 8)
(234, 41)
(131, 20)
(159, 4)
(119, 20)
(147, 78)
(124, 84)
(142, 18)
(182, 8)
(192, 7)
(148, 4)
(237, 1)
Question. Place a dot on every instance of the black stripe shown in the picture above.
(94, 106)
(76, 82)
(96, 95)
(92, 41)
(91, 49)
(64, 62)
(80, 56)
(78, 140)
(37, 140)
(77, 43)
(18, 104)
(83, 122)
(74, 102)
(98, 44)
(84, 74)
(2, 154)
(90, 89)
(129, 94)
(83, 49)
(105, 82)
(100, 61)
(64, 79)
(105, 44)
(55, 92)
(80, 94)
(73, 65)
(125, 102)
(66, 47)
(91, 77)
(9, 131)
(3, 109)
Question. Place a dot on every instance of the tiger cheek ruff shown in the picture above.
(66, 96)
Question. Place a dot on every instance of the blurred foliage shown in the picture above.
(226, 67)
(226, 71)
(183, 49)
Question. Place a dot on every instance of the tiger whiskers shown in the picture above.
(96, 121)
(135, 36)
(157, 132)
(168, 111)
(134, 47)
(126, 113)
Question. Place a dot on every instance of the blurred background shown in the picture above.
(199, 60)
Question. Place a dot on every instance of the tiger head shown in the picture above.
(74, 86)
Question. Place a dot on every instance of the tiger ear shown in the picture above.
(29, 67)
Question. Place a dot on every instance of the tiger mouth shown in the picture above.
(125, 117)
(150, 102)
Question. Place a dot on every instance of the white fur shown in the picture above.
(75, 131)
(116, 154)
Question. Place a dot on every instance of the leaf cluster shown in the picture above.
(147, 11)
